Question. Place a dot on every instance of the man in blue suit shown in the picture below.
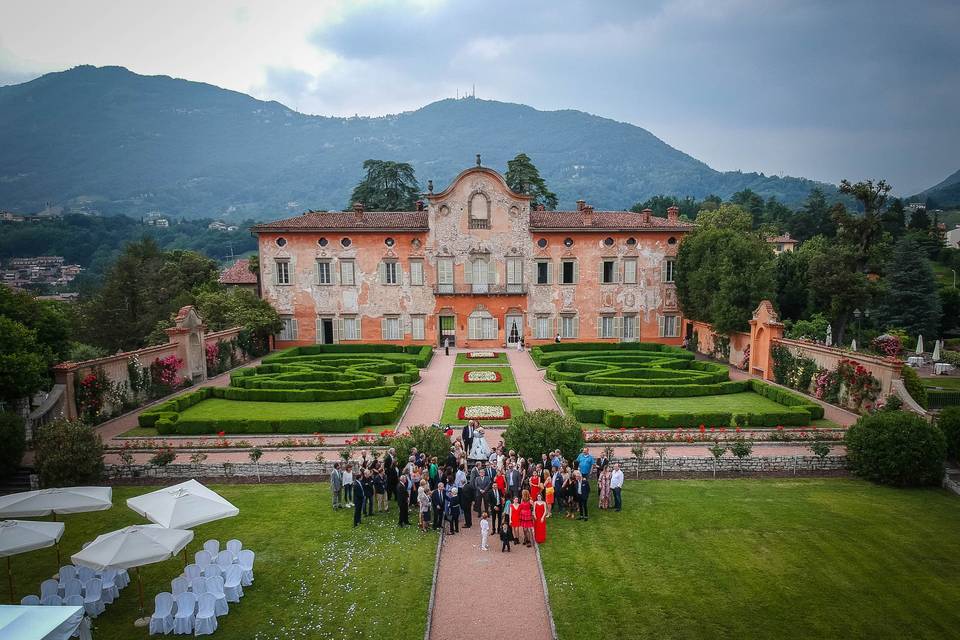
(358, 499)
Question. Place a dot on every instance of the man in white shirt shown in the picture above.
(616, 485)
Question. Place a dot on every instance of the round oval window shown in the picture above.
(322, 242)
(281, 242)
(672, 240)
(568, 242)
(631, 241)
(345, 242)
(608, 242)
(388, 242)
(542, 242)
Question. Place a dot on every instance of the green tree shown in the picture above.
(911, 300)
(223, 309)
(727, 216)
(722, 274)
(863, 232)
(52, 321)
(533, 433)
(919, 220)
(813, 219)
(388, 186)
(68, 454)
(949, 309)
(523, 177)
(689, 207)
(23, 362)
(793, 278)
(894, 218)
(750, 201)
(838, 286)
(12, 443)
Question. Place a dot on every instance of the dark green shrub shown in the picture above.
(914, 386)
(897, 448)
(68, 454)
(536, 432)
(428, 440)
(949, 423)
(13, 443)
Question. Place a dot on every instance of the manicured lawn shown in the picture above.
(214, 408)
(499, 358)
(759, 559)
(946, 382)
(315, 575)
(452, 406)
(735, 402)
(507, 383)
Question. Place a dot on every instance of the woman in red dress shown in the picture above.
(515, 519)
(534, 486)
(540, 520)
(501, 482)
(526, 518)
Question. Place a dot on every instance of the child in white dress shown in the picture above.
(484, 531)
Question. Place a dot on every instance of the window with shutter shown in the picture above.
(445, 275)
(543, 272)
(324, 275)
(416, 273)
(283, 272)
(417, 325)
(618, 327)
(568, 272)
(347, 273)
(660, 326)
(666, 271)
(492, 272)
(608, 272)
(630, 272)
(468, 271)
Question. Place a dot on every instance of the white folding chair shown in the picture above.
(179, 585)
(49, 588)
(110, 590)
(72, 587)
(246, 564)
(30, 601)
(67, 572)
(212, 547)
(191, 571)
(231, 584)
(52, 601)
(215, 587)
(206, 620)
(73, 601)
(123, 579)
(234, 546)
(224, 559)
(162, 619)
(212, 571)
(183, 620)
(202, 558)
(198, 586)
(93, 597)
(85, 573)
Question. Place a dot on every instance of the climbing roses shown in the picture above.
(484, 412)
(482, 376)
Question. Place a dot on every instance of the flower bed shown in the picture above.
(484, 412)
(712, 434)
(482, 376)
(481, 355)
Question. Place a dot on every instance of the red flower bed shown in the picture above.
(496, 376)
(477, 412)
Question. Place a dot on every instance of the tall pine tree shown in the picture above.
(388, 186)
(911, 299)
(523, 177)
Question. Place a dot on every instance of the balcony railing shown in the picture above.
(480, 289)
(479, 223)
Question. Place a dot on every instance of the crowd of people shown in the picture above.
(509, 496)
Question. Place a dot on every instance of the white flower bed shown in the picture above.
(478, 355)
(482, 376)
(483, 412)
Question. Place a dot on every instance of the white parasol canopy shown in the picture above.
(182, 506)
(853, 345)
(920, 345)
(43, 502)
(936, 351)
(829, 340)
(132, 546)
(20, 536)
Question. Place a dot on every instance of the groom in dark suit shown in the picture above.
(467, 436)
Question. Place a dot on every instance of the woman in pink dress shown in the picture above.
(605, 477)
(540, 520)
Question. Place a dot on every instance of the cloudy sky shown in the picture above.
(824, 90)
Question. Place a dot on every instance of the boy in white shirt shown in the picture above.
(484, 531)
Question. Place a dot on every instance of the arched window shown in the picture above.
(479, 211)
(482, 326)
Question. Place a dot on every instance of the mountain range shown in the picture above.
(945, 193)
(107, 140)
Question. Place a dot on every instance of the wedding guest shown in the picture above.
(367, 492)
(380, 490)
(513, 480)
(358, 497)
(526, 518)
(603, 488)
(515, 519)
(584, 463)
(506, 536)
(336, 485)
(403, 499)
(549, 497)
(496, 506)
(438, 502)
(535, 485)
(540, 520)
(616, 486)
(461, 477)
(484, 531)
(602, 462)
(423, 501)
(348, 485)
(434, 473)
(453, 511)
(582, 492)
(390, 471)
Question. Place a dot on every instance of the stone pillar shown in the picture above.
(765, 329)
(63, 374)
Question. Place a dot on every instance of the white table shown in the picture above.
(942, 367)
(915, 361)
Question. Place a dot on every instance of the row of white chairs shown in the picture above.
(81, 586)
(203, 567)
(185, 614)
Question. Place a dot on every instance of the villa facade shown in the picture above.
(476, 266)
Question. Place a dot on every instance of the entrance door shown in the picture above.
(448, 330)
(514, 329)
(327, 331)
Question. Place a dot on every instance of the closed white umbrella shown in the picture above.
(182, 506)
(44, 502)
(20, 536)
(132, 547)
(936, 351)
(853, 345)
(920, 345)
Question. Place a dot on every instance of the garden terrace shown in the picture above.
(474, 381)
(657, 386)
(300, 390)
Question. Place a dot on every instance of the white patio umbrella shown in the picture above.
(132, 547)
(829, 340)
(936, 351)
(920, 345)
(44, 502)
(20, 536)
(182, 506)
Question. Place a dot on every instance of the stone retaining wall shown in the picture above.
(684, 464)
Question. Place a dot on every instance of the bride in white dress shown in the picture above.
(480, 450)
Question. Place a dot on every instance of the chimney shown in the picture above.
(586, 212)
(419, 205)
(581, 204)
(646, 215)
(673, 213)
(540, 207)
(358, 209)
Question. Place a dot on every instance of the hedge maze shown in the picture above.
(585, 372)
(320, 388)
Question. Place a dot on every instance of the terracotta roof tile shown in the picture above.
(784, 238)
(369, 220)
(601, 220)
(238, 273)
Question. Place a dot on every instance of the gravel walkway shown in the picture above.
(535, 391)
(470, 602)
(426, 403)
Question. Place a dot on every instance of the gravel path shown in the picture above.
(470, 602)
(535, 391)
(426, 403)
